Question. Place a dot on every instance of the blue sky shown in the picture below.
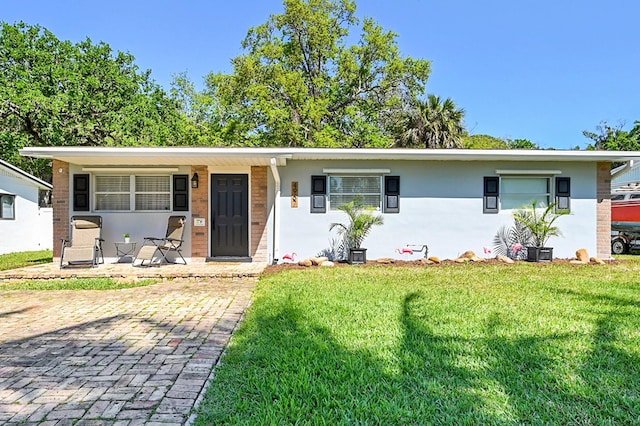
(541, 70)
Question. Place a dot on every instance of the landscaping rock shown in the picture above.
(597, 260)
(462, 260)
(469, 254)
(327, 263)
(504, 259)
(434, 259)
(305, 262)
(577, 262)
(582, 255)
(318, 260)
(385, 260)
(426, 261)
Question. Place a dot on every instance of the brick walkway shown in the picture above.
(123, 357)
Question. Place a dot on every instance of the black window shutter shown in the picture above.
(392, 194)
(180, 193)
(318, 194)
(81, 193)
(491, 194)
(563, 193)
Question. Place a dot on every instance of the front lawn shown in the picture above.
(24, 258)
(463, 344)
(75, 284)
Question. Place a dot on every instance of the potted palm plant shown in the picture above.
(539, 224)
(361, 220)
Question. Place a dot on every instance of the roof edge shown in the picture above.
(336, 153)
(29, 176)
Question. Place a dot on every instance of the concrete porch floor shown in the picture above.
(110, 269)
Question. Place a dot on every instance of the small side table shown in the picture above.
(125, 251)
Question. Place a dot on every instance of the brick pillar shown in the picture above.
(200, 209)
(259, 234)
(60, 197)
(603, 210)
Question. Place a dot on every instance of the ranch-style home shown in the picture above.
(258, 204)
(25, 211)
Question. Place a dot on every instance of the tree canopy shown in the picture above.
(299, 83)
(55, 93)
(613, 138)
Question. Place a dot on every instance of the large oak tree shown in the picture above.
(300, 83)
(54, 92)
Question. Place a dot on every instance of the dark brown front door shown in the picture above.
(230, 215)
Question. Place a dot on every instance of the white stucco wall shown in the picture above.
(32, 228)
(440, 205)
(139, 224)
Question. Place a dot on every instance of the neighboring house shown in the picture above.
(256, 204)
(26, 216)
(626, 176)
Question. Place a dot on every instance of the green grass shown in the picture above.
(74, 284)
(452, 345)
(25, 258)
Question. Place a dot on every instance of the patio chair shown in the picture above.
(171, 242)
(84, 246)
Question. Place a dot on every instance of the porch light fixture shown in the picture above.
(194, 180)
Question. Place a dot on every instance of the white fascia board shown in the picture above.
(165, 154)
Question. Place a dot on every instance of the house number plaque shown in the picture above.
(294, 194)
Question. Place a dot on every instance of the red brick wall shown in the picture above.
(603, 210)
(258, 225)
(60, 198)
(200, 209)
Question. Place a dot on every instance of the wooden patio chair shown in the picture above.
(84, 245)
(171, 242)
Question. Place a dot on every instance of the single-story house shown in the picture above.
(26, 216)
(626, 176)
(258, 204)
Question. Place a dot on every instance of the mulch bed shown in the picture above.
(272, 269)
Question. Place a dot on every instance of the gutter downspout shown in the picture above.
(276, 211)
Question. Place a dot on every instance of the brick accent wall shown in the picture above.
(258, 225)
(603, 211)
(200, 209)
(60, 197)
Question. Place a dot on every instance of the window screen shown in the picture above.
(113, 193)
(121, 193)
(7, 206)
(153, 193)
(520, 191)
(344, 189)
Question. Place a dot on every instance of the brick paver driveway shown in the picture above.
(123, 357)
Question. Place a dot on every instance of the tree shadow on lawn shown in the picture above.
(284, 368)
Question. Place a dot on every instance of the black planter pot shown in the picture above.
(539, 254)
(357, 256)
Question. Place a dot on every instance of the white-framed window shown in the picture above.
(520, 191)
(7, 206)
(132, 193)
(345, 188)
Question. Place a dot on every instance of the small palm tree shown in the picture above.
(434, 124)
(360, 223)
(540, 223)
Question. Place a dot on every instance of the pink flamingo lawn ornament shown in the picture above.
(404, 250)
(291, 257)
(487, 250)
(517, 248)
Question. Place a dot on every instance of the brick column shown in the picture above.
(200, 209)
(60, 197)
(259, 234)
(603, 211)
